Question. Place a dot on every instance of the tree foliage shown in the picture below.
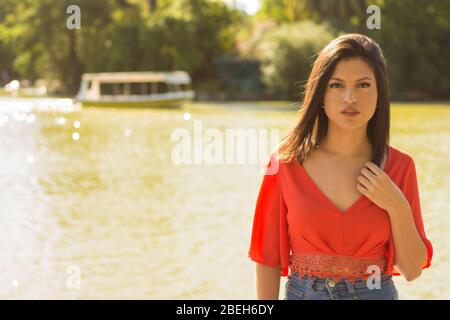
(115, 35)
(287, 54)
(131, 35)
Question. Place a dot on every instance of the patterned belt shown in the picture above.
(336, 267)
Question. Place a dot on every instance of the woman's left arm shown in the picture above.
(410, 250)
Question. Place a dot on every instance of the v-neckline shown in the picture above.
(327, 199)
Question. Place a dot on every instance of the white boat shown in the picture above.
(135, 89)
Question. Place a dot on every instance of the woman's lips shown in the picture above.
(350, 114)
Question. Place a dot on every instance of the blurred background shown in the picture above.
(92, 204)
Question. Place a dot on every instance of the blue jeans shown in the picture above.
(314, 288)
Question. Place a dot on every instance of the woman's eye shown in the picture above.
(335, 85)
(364, 85)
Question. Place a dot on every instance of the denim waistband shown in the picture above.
(320, 283)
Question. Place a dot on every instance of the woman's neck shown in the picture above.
(347, 146)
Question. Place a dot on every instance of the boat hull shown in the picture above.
(167, 103)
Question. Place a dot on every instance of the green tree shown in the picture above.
(115, 35)
(415, 36)
(343, 14)
(275, 10)
(189, 35)
(339, 14)
(7, 36)
(287, 54)
(44, 46)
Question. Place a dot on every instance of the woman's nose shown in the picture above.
(349, 96)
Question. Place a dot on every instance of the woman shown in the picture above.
(338, 206)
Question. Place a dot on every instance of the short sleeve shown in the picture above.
(269, 240)
(411, 192)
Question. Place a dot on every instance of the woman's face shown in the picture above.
(352, 85)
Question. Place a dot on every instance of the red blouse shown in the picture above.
(296, 226)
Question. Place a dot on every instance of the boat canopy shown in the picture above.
(175, 77)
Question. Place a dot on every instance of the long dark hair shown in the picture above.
(312, 126)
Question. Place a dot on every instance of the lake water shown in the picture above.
(93, 205)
